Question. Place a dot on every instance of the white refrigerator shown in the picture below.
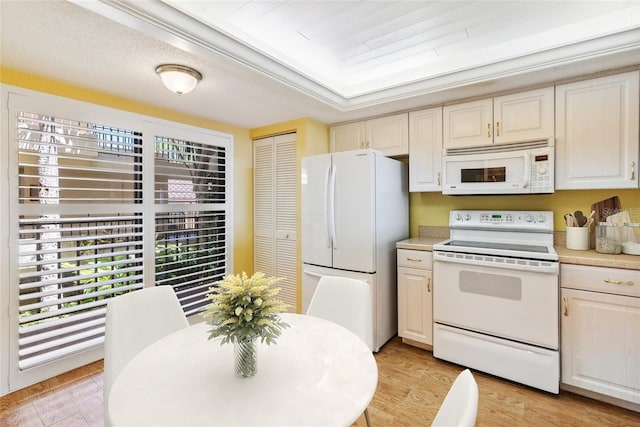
(355, 207)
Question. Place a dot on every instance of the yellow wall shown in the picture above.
(433, 208)
(312, 137)
(243, 153)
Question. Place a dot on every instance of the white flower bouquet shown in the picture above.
(244, 308)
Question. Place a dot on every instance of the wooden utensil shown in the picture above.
(589, 223)
(590, 220)
(580, 218)
(570, 220)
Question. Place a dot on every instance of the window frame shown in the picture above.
(15, 99)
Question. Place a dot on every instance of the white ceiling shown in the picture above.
(269, 61)
(356, 47)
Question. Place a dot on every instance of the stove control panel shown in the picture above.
(505, 220)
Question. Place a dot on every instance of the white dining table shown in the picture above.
(317, 374)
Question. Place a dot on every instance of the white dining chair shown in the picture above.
(460, 406)
(348, 303)
(134, 321)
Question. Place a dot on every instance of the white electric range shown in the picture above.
(496, 295)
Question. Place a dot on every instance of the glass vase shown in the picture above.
(245, 353)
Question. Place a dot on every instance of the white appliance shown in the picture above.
(355, 207)
(520, 168)
(495, 299)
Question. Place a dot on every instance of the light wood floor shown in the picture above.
(411, 386)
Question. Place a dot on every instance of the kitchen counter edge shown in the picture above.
(419, 243)
(566, 256)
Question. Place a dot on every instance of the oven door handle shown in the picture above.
(535, 266)
(527, 170)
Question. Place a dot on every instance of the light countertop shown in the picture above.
(593, 258)
(419, 243)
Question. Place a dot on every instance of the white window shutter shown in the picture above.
(190, 219)
(105, 202)
(79, 231)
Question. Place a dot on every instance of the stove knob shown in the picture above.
(529, 218)
(458, 217)
(467, 217)
(541, 218)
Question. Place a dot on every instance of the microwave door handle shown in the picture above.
(527, 169)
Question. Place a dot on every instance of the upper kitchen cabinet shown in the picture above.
(350, 136)
(468, 124)
(597, 133)
(524, 116)
(425, 150)
(389, 135)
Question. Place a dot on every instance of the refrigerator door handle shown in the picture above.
(332, 205)
(327, 204)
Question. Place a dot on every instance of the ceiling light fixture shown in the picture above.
(178, 78)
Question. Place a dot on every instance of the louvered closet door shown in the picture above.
(263, 206)
(285, 218)
(275, 180)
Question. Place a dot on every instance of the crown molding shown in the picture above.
(165, 23)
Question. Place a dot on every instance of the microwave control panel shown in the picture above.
(542, 173)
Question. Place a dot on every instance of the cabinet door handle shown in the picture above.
(428, 284)
(488, 130)
(633, 171)
(439, 174)
(414, 259)
(497, 128)
(565, 304)
(618, 282)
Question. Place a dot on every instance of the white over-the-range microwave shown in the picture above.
(518, 168)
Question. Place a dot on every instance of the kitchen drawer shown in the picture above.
(600, 279)
(415, 259)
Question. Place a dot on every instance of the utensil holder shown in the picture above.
(578, 238)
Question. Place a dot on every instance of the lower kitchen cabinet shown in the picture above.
(601, 331)
(415, 297)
